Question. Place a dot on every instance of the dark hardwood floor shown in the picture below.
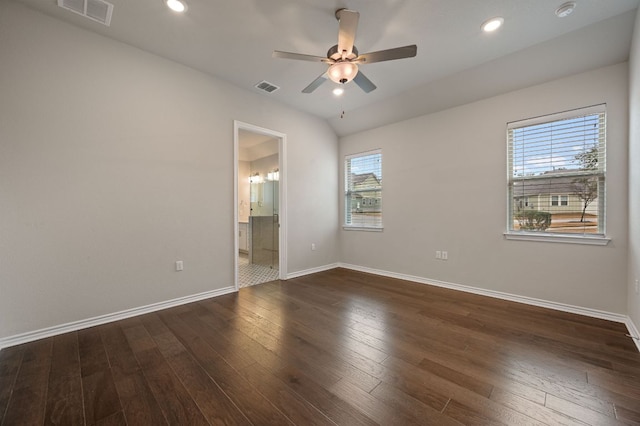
(338, 347)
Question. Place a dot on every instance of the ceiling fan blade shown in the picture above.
(315, 83)
(347, 33)
(300, 57)
(364, 83)
(388, 55)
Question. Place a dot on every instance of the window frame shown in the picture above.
(347, 194)
(598, 238)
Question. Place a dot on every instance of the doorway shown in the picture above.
(260, 205)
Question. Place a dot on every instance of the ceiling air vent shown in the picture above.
(266, 86)
(96, 10)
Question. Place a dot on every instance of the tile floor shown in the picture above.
(249, 274)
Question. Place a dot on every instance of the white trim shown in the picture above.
(103, 319)
(558, 116)
(594, 313)
(347, 159)
(363, 154)
(553, 238)
(282, 194)
(236, 242)
(363, 228)
(633, 332)
(312, 270)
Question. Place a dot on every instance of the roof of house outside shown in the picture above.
(360, 178)
(556, 183)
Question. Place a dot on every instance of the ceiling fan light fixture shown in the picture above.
(176, 5)
(492, 24)
(342, 72)
(338, 91)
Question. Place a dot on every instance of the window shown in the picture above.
(557, 173)
(363, 190)
(559, 200)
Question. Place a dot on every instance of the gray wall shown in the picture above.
(115, 163)
(445, 189)
(103, 187)
(634, 176)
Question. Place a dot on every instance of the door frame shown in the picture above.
(282, 188)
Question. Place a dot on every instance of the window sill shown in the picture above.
(551, 238)
(361, 228)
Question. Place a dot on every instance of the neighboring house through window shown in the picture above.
(363, 190)
(557, 174)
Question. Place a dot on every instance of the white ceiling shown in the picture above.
(456, 62)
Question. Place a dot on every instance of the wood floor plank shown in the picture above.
(337, 409)
(616, 382)
(337, 347)
(341, 363)
(531, 409)
(99, 389)
(470, 417)
(253, 405)
(64, 395)
(578, 412)
(10, 361)
(174, 400)
(371, 406)
(117, 419)
(628, 416)
(29, 395)
(138, 403)
(296, 408)
(401, 402)
(251, 349)
(462, 400)
(457, 377)
(216, 406)
(304, 328)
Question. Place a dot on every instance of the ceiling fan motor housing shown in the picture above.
(334, 54)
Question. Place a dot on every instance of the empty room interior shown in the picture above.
(344, 212)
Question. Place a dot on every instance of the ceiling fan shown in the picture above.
(343, 58)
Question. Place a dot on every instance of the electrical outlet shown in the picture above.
(179, 265)
(445, 255)
(438, 254)
(313, 246)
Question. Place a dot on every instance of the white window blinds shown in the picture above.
(556, 167)
(363, 190)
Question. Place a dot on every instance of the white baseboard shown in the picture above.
(312, 270)
(103, 319)
(633, 331)
(497, 294)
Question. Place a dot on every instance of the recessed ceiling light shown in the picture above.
(338, 91)
(492, 24)
(176, 5)
(565, 9)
